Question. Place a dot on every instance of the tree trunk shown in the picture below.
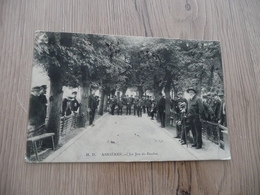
(113, 91)
(105, 101)
(167, 91)
(53, 124)
(199, 85)
(210, 81)
(85, 91)
(124, 92)
(101, 103)
(140, 91)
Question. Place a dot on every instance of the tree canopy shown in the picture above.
(118, 63)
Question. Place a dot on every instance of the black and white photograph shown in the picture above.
(105, 98)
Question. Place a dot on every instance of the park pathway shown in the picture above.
(116, 138)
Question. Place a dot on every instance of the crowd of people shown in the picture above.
(192, 112)
(70, 106)
(189, 113)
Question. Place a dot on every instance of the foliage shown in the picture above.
(123, 62)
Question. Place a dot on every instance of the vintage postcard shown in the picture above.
(103, 98)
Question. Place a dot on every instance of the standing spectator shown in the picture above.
(208, 113)
(128, 105)
(36, 109)
(135, 105)
(195, 110)
(92, 105)
(161, 109)
(120, 106)
(43, 101)
(148, 105)
(153, 109)
(181, 102)
(66, 106)
(216, 107)
(144, 104)
(74, 103)
(139, 107)
(113, 105)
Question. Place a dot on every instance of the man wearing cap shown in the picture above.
(74, 103)
(181, 108)
(36, 108)
(66, 106)
(195, 111)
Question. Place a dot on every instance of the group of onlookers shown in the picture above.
(193, 111)
(190, 112)
(136, 104)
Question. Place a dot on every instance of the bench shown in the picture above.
(35, 138)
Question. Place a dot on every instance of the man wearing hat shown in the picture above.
(161, 109)
(181, 107)
(195, 111)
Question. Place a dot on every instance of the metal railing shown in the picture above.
(214, 132)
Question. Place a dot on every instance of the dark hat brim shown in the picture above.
(191, 89)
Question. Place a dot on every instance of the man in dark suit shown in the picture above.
(74, 103)
(148, 105)
(129, 102)
(161, 109)
(195, 111)
(36, 109)
(43, 101)
(120, 106)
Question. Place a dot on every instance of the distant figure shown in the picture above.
(153, 109)
(135, 105)
(129, 102)
(148, 105)
(144, 104)
(113, 103)
(120, 106)
(139, 107)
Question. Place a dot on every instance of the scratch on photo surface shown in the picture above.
(18, 99)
